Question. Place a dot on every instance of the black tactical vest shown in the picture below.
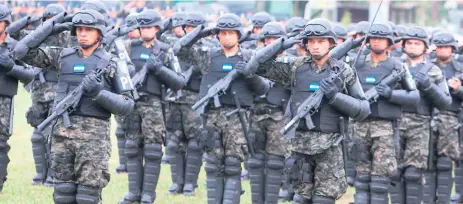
(73, 70)
(139, 54)
(277, 95)
(424, 107)
(307, 81)
(8, 84)
(195, 79)
(220, 66)
(451, 70)
(370, 77)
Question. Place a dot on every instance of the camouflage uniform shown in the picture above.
(325, 176)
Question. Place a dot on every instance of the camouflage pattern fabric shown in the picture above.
(448, 141)
(182, 124)
(80, 154)
(376, 138)
(414, 131)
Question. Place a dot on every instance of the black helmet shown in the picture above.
(295, 24)
(131, 20)
(178, 19)
(340, 31)
(381, 30)
(230, 21)
(272, 29)
(399, 30)
(88, 18)
(362, 27)
(195, 19)
(149, 18)
(52, 10)
(416, 33)
(97, 6)
(319, 28)
(259, 19)
(444, 38)
(5, 14)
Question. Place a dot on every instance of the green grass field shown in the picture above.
(21, 169)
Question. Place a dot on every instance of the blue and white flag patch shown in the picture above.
(79, 68)
(314, 86)
(227, 67)
(144, 56)
(370, 80)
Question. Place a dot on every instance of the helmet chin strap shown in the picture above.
(83, 46)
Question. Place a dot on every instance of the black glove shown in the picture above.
(6, 63)
(92, 85)
(329, 88)
(384, 90)
(58, 28)
(207, 32)
(242, 68)
(288, 43)
(423, 80)
(153, 64)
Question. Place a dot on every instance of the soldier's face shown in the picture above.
(318, 47)
(228, 38)
(378, 43)
(340, 40)
(178, 31)
(398, 44)
(359, 35)
(257, 30)
(148, 33)
(414, 48)
(135, 34)
(444, 52)
(189, 28)
(269, 40)
(87, 36)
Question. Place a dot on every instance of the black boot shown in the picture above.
(39, 152)
(152, 168)
(193, 167)
(176, 167)
(120, 136)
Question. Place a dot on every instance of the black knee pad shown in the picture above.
(379, 184)
(256, 162)
(132, 149)
(362, 182)
(65, 193)
(120, 133)
(37, 137)
(413, 174)
(232, 166)
(153, 151)
(4, 147)
(212, 165)
(88, 195)
(193, 145)
(172, 147)
(444, 163)
(275, 162)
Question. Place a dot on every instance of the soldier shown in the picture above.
(182, 128)
(9, 74)
(361, 28)
(43, 94)
(81, 152)
(316, 154)
(414, 126)
(258, 20)
(295, 26)
(266, 167)
(176, 31)
(439, 181)
(145, 126)
(222, 134)
(373, 138)
(341, 33)
(130, 20)
(399, 31)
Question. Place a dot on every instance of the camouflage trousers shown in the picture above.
(268, 138)
(448, 142)
(5, 108)
(326, 176)
(81, 153)
(233, 142)
(42, 95)
(375, 147)
(414, 135)
(145, 125)
(182, 124)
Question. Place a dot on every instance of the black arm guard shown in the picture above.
(22, 73)
(439, 97)
(114, 103)
(170, 78)
(358, 109)
(187, 40)
(341, 50)
(459, 93)
(258, 85)
(405, 98)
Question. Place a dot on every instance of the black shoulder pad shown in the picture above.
(68, 51)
